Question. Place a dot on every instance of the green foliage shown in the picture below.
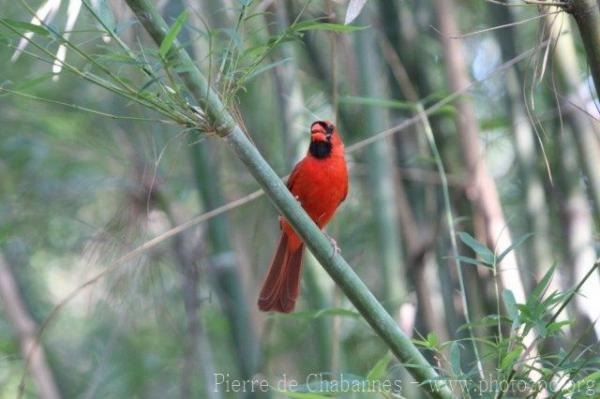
(25, 26)
(316, 25)
(167, 43)
(486, 256)
(378, 370)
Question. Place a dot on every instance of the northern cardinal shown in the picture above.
(320, 183)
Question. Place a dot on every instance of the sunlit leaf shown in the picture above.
(510, 357)
(557, 325)
(171, 35)
(432, 339)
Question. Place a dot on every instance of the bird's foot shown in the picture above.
(333, 242)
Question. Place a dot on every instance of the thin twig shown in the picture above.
(85, 109)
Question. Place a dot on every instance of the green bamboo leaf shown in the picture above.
(525, 312)
(486, 321)
(541, 287)
(493, 123)
(511, 304)
(514, 245)
(167, 42)
(317, 25)
(446, 110)
(557, 325)
(510, 357)
(471, 261)
(265, 68)
(585, 383)
(149, 83)
(455, 358)
(33, 82)
(104, 13)
(378, 370)
(432, 339)
(484, 252)
(26, 26)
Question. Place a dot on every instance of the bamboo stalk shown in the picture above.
(579, 234)
(225, 270)
(539, 252)
(482, 189)
(583, 127)
(24, 326)
(333, 262)
(587, 16)
(381, 172)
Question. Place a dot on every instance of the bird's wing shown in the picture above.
(345, 194)
(293, 177)
(290, 185)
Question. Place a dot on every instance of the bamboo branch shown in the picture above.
(17, 314)
(333, 262)
(587, 16)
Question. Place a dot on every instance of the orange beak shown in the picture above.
(318, 135)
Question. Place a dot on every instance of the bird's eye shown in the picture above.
(329, 130)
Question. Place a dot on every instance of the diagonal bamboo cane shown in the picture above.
(587, 16)
(341, 272)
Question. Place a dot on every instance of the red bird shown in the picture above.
(320, 183)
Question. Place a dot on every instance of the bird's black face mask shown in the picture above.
(321, 149)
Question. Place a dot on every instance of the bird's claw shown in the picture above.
(336, 248)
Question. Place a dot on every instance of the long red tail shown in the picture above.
(282, 285)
